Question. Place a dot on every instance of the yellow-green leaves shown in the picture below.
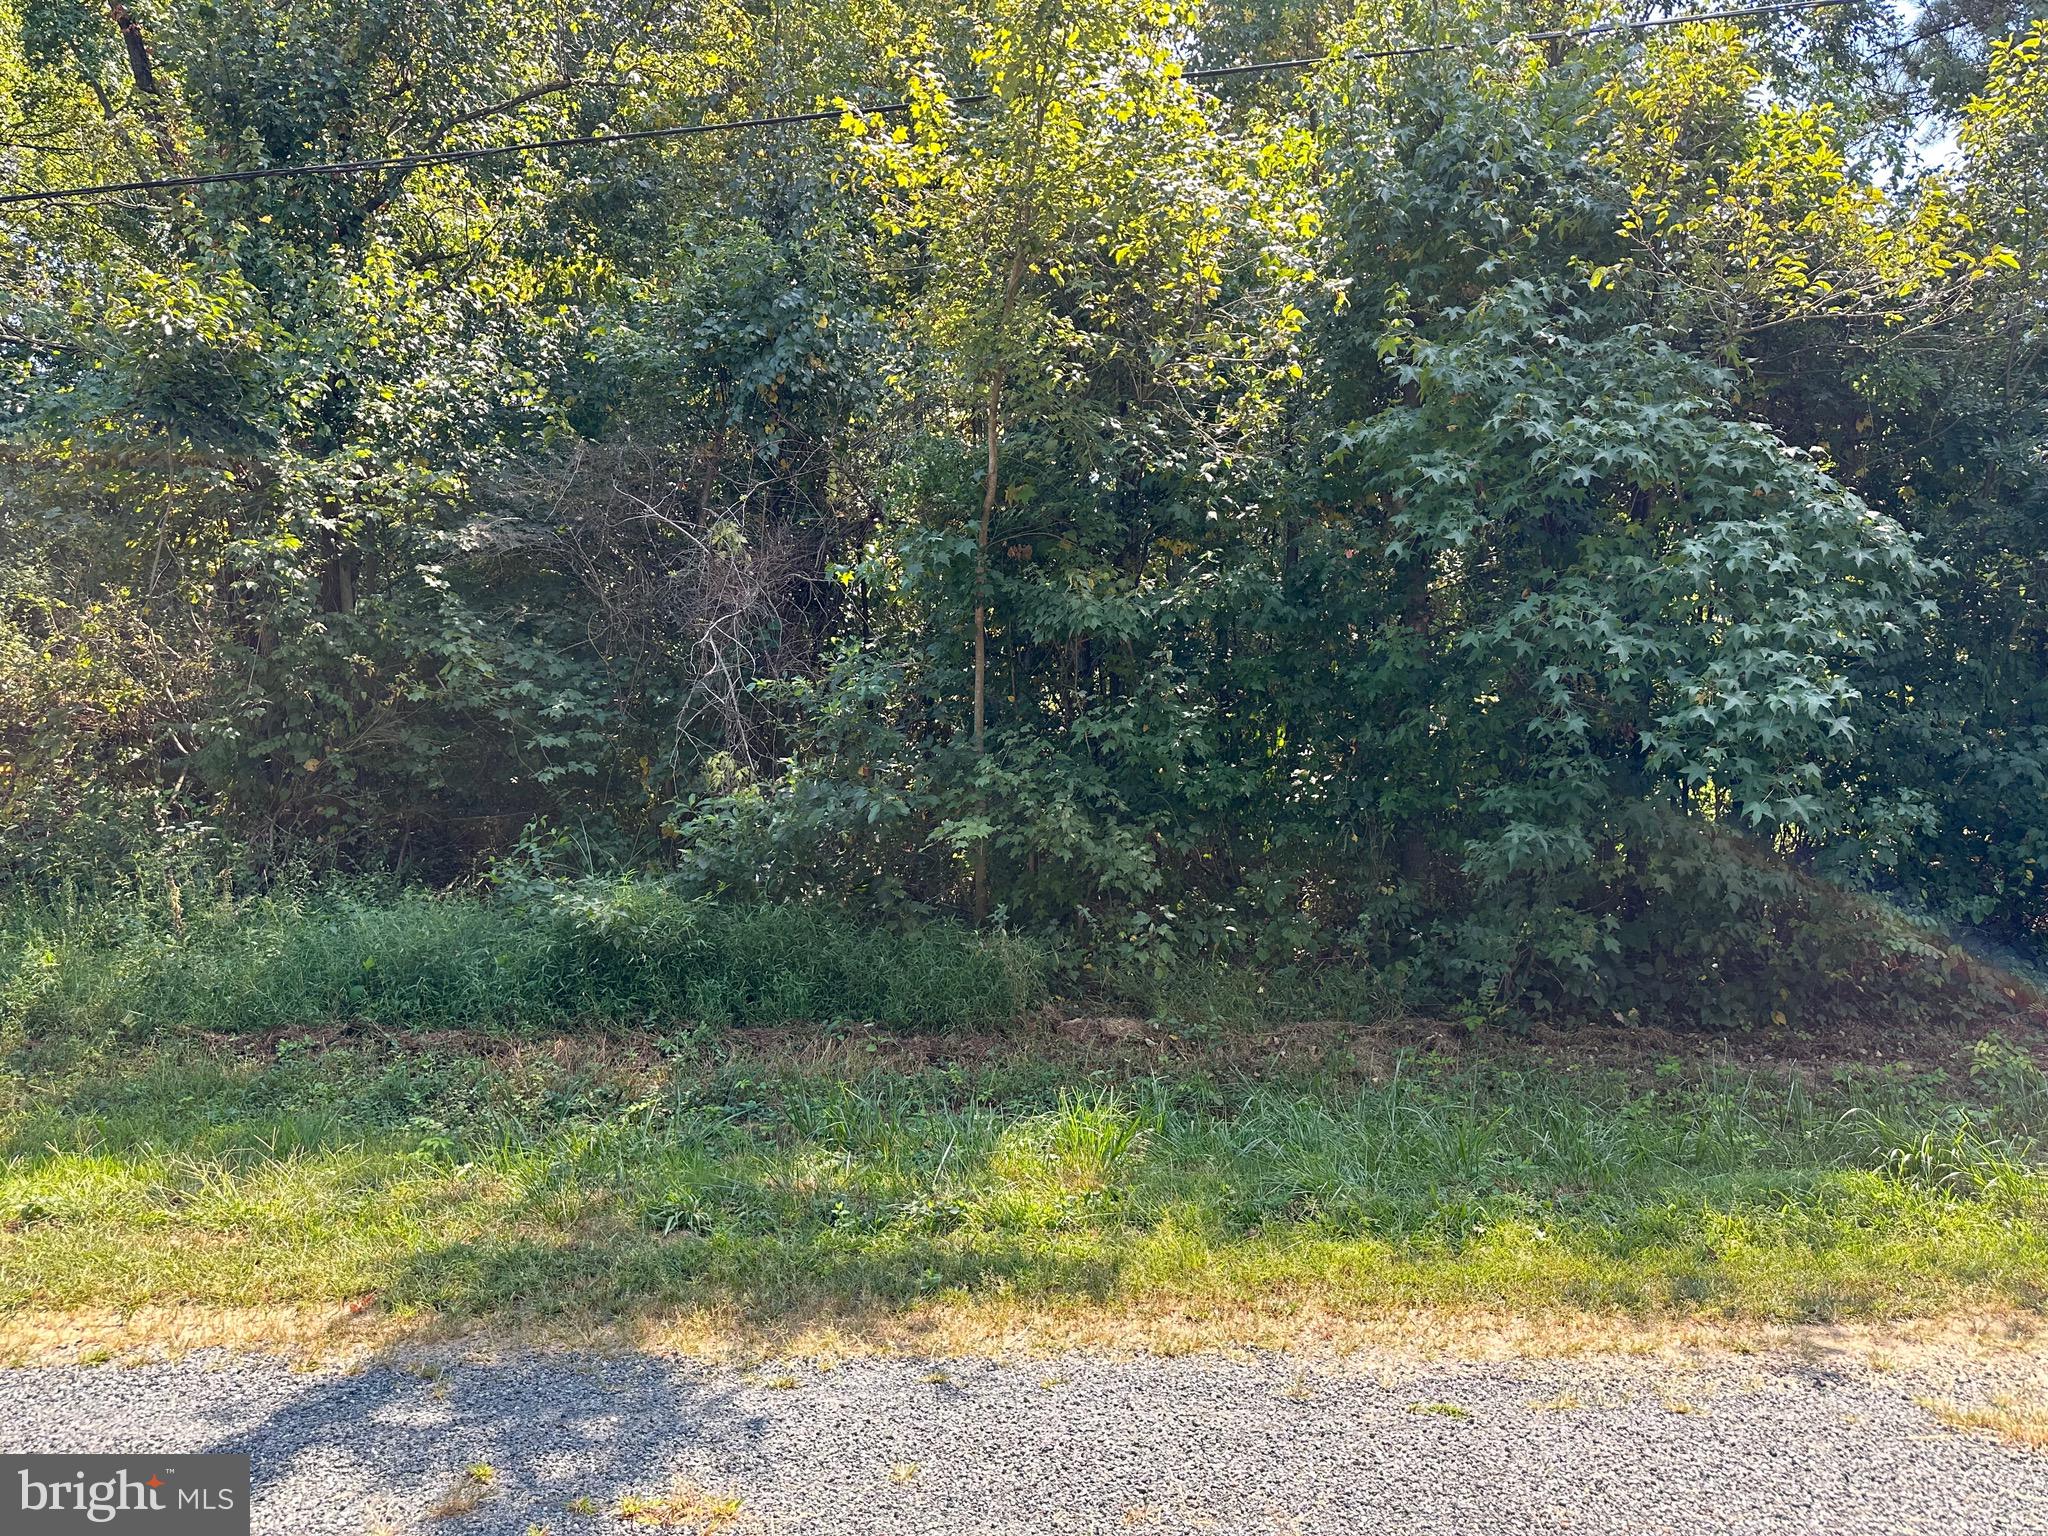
(1751, 214)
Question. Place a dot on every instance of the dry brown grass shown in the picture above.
(686, 1506)
(326, 1335)
(2021, 1421)
(640, 1064)
(464, 1494)
(1009, 1329)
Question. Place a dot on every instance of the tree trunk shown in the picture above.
(1414, 847)
(992, 436)
(149, 95)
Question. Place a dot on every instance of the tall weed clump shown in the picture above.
(593, 953)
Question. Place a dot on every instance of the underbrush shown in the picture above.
(564, 1181)
(594, 953)
(1732, 940)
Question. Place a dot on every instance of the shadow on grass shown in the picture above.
(764, 1281)
(465, 1192)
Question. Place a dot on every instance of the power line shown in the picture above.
(403, 163)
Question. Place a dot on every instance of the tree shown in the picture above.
(1517, 512)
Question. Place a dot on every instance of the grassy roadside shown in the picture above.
(560, 1184)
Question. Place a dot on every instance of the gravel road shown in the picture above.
(1066, 1445)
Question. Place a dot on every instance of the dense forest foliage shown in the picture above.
(1546, 514)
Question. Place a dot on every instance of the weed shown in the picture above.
(465, 1493)
(2011, 1080)
(684, 1507)
(1441, 1410)
(1955, 1157)
(598, 952)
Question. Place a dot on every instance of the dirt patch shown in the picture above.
(1122, 1044)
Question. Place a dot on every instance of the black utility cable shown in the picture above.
(832, 114)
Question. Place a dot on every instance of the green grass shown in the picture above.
(596, 953)
(565, 1182)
